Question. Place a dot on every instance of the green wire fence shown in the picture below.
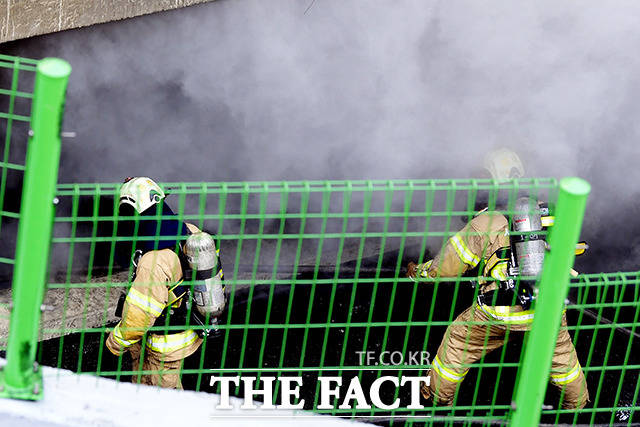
(16, 94)
(21, 377)
(315, 277)
(603, 313)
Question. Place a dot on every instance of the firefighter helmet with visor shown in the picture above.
(141, 193)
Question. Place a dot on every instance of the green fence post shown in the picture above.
(554, 285)
(21, 377)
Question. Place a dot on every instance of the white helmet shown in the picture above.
(503, 165)
(141, 193)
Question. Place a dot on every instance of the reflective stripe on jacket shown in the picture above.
(172, 342)
(482, 239)
(511, 315)
(148, 296)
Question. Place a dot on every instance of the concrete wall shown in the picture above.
(25, 18)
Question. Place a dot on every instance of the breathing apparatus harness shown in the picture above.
(206, 298)
(523, 257)
(200, 297)
(183, 310)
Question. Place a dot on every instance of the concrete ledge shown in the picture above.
(26, 18)
(84, 400)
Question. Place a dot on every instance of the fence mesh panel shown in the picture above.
(16, 93)
(315, 273)
(603, 312)
(316, 286)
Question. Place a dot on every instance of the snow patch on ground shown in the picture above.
(83, 400)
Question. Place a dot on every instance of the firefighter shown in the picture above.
(502, 304)
(157, 295)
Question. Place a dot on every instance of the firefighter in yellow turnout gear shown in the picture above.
(156, 289)
(482, 327)
(146, 299)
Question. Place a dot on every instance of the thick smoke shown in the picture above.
(257, 90)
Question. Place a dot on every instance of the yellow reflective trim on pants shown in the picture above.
(503, 313)
(568, 377)
(117, 336)
(172, 342)
(463, 251)
(446, 373)
(144, 302)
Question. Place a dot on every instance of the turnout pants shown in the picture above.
(165, 374)
(465, 343)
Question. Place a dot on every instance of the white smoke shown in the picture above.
(256, 90)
